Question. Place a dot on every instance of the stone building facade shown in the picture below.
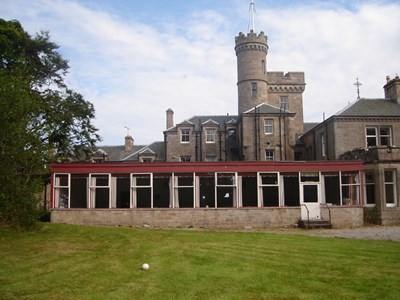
(366, 130)
(269, 120)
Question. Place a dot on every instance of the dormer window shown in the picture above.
(185, 136)
(210, 135)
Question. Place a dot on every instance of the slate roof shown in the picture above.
(264, 108)
(218, 120)
(365, 107)
(118, 154)
(309, 126)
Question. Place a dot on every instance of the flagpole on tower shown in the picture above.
(252, 12)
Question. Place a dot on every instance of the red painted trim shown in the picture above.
(204, 167)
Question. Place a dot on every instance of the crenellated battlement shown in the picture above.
(290, 78)
(251, 41)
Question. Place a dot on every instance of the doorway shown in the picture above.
(310, 196)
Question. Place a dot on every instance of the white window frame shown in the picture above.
(58, 187)
(93, 187)
(176, 187)
(261, 185)
(388, 136)
(370, 136)
(268, 157)
(234, 185)
(356, 184)
(392, 183)
(211, 136)
(269, 126)
(185, 136)
(134, 188)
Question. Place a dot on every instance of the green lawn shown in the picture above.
(80, 262)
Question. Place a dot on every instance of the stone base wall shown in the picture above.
(344, 216)
(391, 216)
(221, 218)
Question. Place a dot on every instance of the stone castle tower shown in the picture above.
(251, 52)
(269, 119)
(270, 104)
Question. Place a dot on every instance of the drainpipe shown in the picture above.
(165, 146)
(201, 140)
(220, 144)
(280, 133)
(196, 147)
(326, 141)
(255, 135)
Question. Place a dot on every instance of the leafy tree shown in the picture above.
(41, 120)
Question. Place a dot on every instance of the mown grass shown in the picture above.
(80, 262)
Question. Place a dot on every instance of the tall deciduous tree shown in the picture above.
(41, 119)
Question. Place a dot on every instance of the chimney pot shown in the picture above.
(170, 118)
(128, 143)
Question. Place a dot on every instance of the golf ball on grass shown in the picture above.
(145, 267)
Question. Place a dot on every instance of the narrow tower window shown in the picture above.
(283, 103)
(263, 68)
(254, 89)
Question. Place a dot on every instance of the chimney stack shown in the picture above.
(128, 143)
(170, 118)
(392, 89)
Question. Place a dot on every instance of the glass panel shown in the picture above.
(62, 195)
(226, 179)
(310, 193)
(185, 181)
(370, 194)
(185, 197)
(371, 131)
(141, 180)
(123, 193)
(389, 194)
(332, 189)
(389, 176)
(207, 191)
(78, 192)
(309, 177)
(270, 196)
(249, 191)
(350, 178)
(350, 194)
(371, 141)
(269, 178)
(369, 178)
(143, 198)
(62, 180)
(99, 180)
(291, 190)
(102, 198)
(161, 192)
(225, 196)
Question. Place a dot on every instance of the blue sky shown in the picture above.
(135, 59)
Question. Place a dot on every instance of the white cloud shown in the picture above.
(333, 47)
(132, 72)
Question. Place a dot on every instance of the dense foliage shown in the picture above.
(41, 120)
